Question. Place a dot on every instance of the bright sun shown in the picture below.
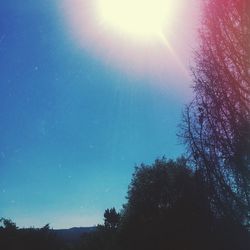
(141, 19)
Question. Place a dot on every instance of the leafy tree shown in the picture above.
(111, 218)
(165, 208)
(8, 234)
(8, 224)
(11, 237)
(105, 236)
(216, 125)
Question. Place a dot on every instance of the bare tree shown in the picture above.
(216, 124)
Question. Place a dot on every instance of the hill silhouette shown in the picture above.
(73, 234)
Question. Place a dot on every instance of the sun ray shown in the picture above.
(173, 53)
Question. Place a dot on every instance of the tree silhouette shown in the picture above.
(8, 225)
(111, 218)
(105, 236)
(165, 209)
(216, 125)
(11, 237)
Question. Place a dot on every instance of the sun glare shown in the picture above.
(139, 37)
(142, 19)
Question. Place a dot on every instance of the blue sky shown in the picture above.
(72, 127)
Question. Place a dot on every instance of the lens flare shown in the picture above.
(142, 19)
(139, 37)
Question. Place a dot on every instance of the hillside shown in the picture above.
(73, 234)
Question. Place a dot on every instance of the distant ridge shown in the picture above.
(73, 234)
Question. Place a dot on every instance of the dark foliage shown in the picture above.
(105, 236)
(12, 238)
(111, 219)
(162, 208)
(168, 208)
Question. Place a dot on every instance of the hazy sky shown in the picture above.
(79, 109)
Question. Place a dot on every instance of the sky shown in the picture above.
(81, 104)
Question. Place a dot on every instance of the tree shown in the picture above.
(105, 236)
(11, 237)
(8, 225)
(216, 124)
(165, 208)
(111, 219)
